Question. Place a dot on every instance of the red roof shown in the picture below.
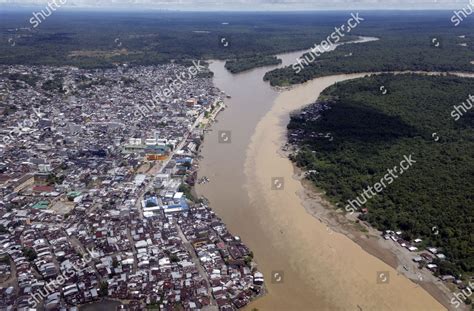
(43, 189)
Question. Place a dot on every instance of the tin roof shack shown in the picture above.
(83, 152)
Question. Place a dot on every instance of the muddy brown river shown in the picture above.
(305, 267)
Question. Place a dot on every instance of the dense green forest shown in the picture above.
(103, 39)
(372, 132)
(388, 54)
(416, 44)
(242, 64)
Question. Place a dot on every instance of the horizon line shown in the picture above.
(263, 10)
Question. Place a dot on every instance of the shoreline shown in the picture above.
(207, 126)
(276, 226)
(370, 241)
(320, 238)
(460, 74)
(362, 233)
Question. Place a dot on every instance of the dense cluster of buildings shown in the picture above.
(311, 113)
(95, 202)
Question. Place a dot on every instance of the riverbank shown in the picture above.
(323, 259)
(207, 125)
(370, 239)
(305, 267)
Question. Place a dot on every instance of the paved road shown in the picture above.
(162, 164)
(196, 261)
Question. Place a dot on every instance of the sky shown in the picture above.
(250, 5)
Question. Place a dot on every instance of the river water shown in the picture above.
(305, 267)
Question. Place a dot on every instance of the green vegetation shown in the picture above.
(248, 259)
(405, 44)
(27, 78)
(153, 306)
(242, 64)
(128, 81)
(360, 227)
(29, 253)
(187, 190)
(54, 85)
(5, 259)
(372, 133)
(174, 258)
(115, 262)
(54, 179)
(3, 229)
(103, 289)
(107, 39)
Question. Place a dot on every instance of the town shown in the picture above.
(96, 193)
